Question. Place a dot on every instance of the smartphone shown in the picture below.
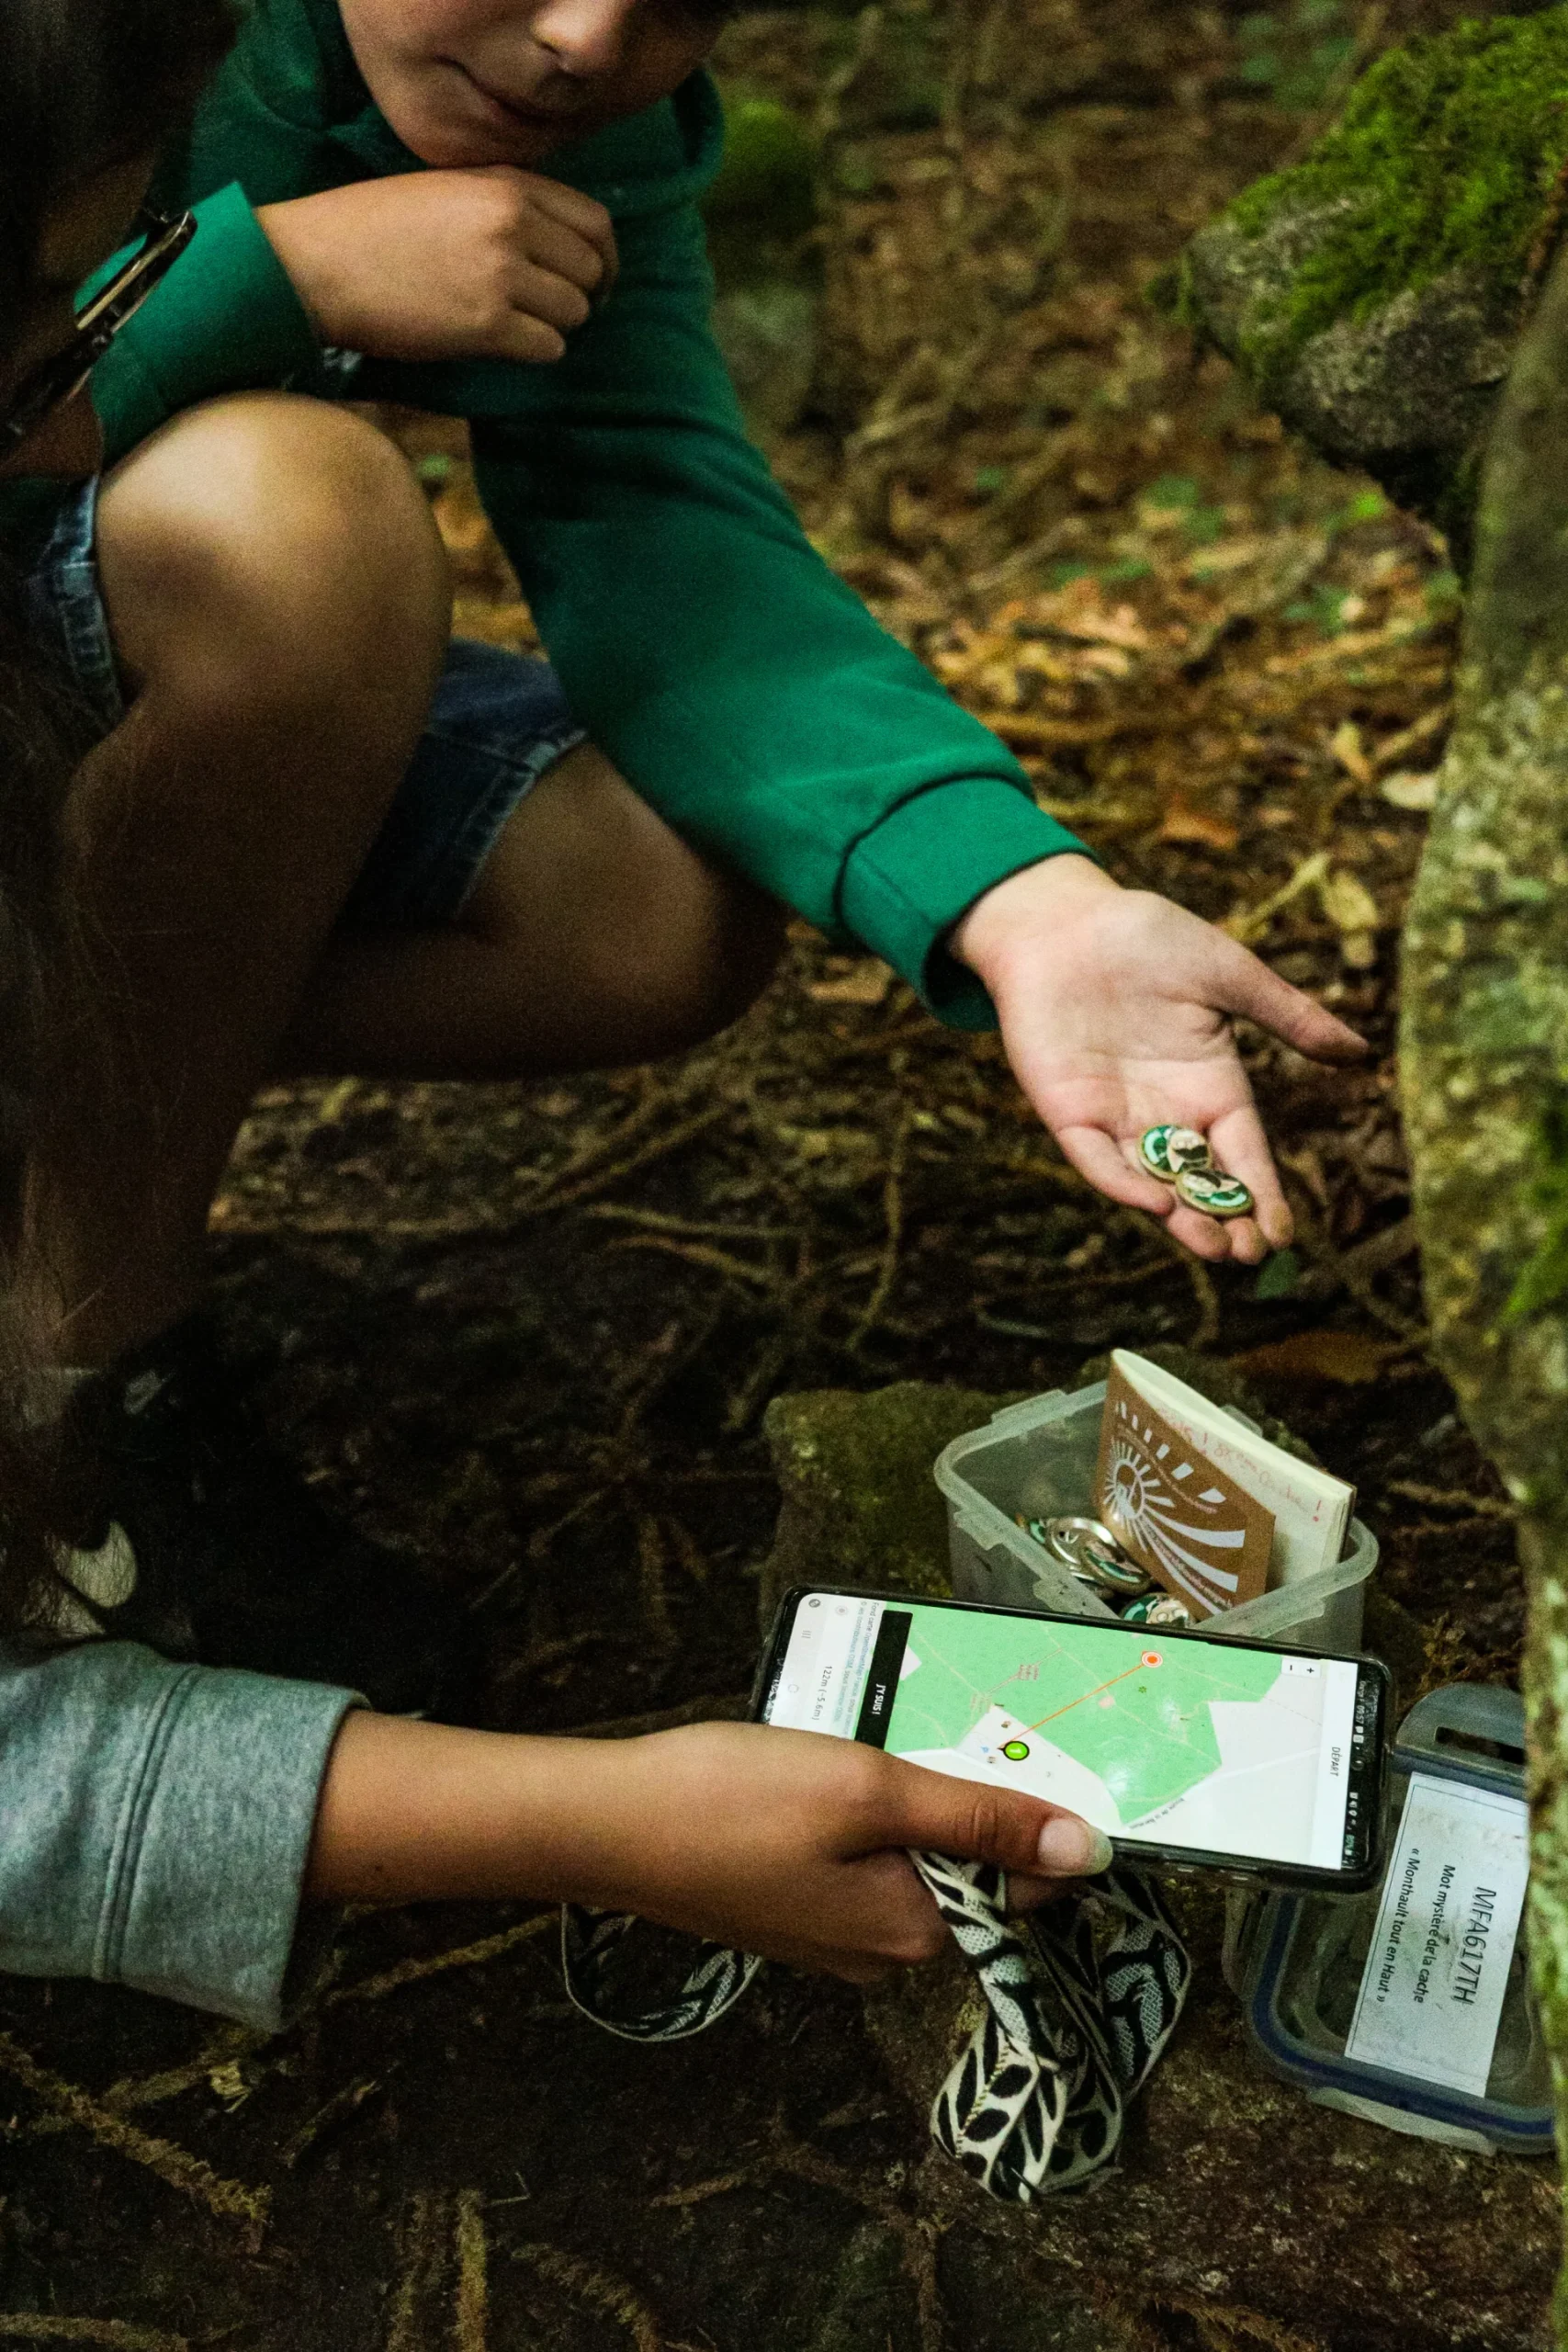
(1233, 1757)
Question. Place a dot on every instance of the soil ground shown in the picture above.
(530, 1331)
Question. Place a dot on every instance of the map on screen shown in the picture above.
(1182, 1743)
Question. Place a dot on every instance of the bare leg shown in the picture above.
(595, 937)
(278, 599)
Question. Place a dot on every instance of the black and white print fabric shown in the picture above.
(590, 1947)
(1081, 1999)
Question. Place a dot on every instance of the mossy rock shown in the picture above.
(767, 329)
(1235, 2198)
(760, 211)
(1372, 293)
(770, 165)
(1233, 2195)
(860, 1505)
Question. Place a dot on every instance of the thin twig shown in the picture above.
(54, 2327)
(174, 2165)
(424, 2259)
(722, 2185)
(346, 2102)
(697, 1253)
(413, 1972)
(599, 2289)
(223, 2048)
(893, 1221)
(664, 1640)
(471, 2312)
(1464, 1502)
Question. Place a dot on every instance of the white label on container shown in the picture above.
(1432, 1990)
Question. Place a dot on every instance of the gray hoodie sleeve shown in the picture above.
(155, 1821)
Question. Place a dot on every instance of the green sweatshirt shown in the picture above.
(742, 690)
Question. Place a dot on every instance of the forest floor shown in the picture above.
(530, 1331)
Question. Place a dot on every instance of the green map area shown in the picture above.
(1145, 1730)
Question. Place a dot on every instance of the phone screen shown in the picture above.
(1169, 1740)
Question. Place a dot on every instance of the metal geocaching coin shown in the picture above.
(1157, 1608)
(1089, 1548)
(1165, 1151)
(1213, 1192)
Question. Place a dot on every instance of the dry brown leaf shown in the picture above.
(1104, 662)
(461, 520)
(1183, 822)
(867, 984)
(1348, 903)
(1348, 1357)
(1351, 751)
(1352, 909)
(1248, 924)
(1231, 555)
(1408, 791)
(511, 624)
(1425, 729)
(1354, 646)
(1084, 619)
(1027, 727)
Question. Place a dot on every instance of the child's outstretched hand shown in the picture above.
(482, 264)
(1115, 1009)
(785, 1843)
(794, 1846)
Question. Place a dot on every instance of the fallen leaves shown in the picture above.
(1199, 827)
(174, 2165)
(1352, 909)
(1404, 790)
(1348, 749)
(1250, 923)
(863, 982)
(1351, 1358)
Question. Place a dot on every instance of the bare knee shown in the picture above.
(738, 949)
(688, 958)
(267, 553)
(624, 942)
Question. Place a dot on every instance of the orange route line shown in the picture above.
(1083, 1700)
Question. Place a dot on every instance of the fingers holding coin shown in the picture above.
(1221, 1213)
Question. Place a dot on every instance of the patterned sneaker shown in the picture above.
(202, 1541)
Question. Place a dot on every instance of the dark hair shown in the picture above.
(84, 84)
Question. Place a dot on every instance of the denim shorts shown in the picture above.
(497, 722)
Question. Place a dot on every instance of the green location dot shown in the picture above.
(1016, 1750)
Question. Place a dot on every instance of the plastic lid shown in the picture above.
(1471, 1733)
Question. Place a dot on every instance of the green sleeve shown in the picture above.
(226, 319)
(743, 690)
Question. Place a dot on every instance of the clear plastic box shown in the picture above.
(1297, 1961)
(1040, 1456)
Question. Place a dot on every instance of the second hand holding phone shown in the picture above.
(1192, 1751)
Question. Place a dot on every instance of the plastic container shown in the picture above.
(1297, 1961)
(1039, 1457)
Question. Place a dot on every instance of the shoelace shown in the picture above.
(1080, 2001)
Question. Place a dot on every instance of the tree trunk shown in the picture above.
(1484, 1050)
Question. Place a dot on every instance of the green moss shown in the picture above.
(1544, 1280)
(1445, 157)
(761, 206)
(769, 170)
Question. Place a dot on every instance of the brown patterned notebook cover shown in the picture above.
(1196, 1531)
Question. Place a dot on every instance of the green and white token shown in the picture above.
(1214, 1193)
(1165, 1151)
